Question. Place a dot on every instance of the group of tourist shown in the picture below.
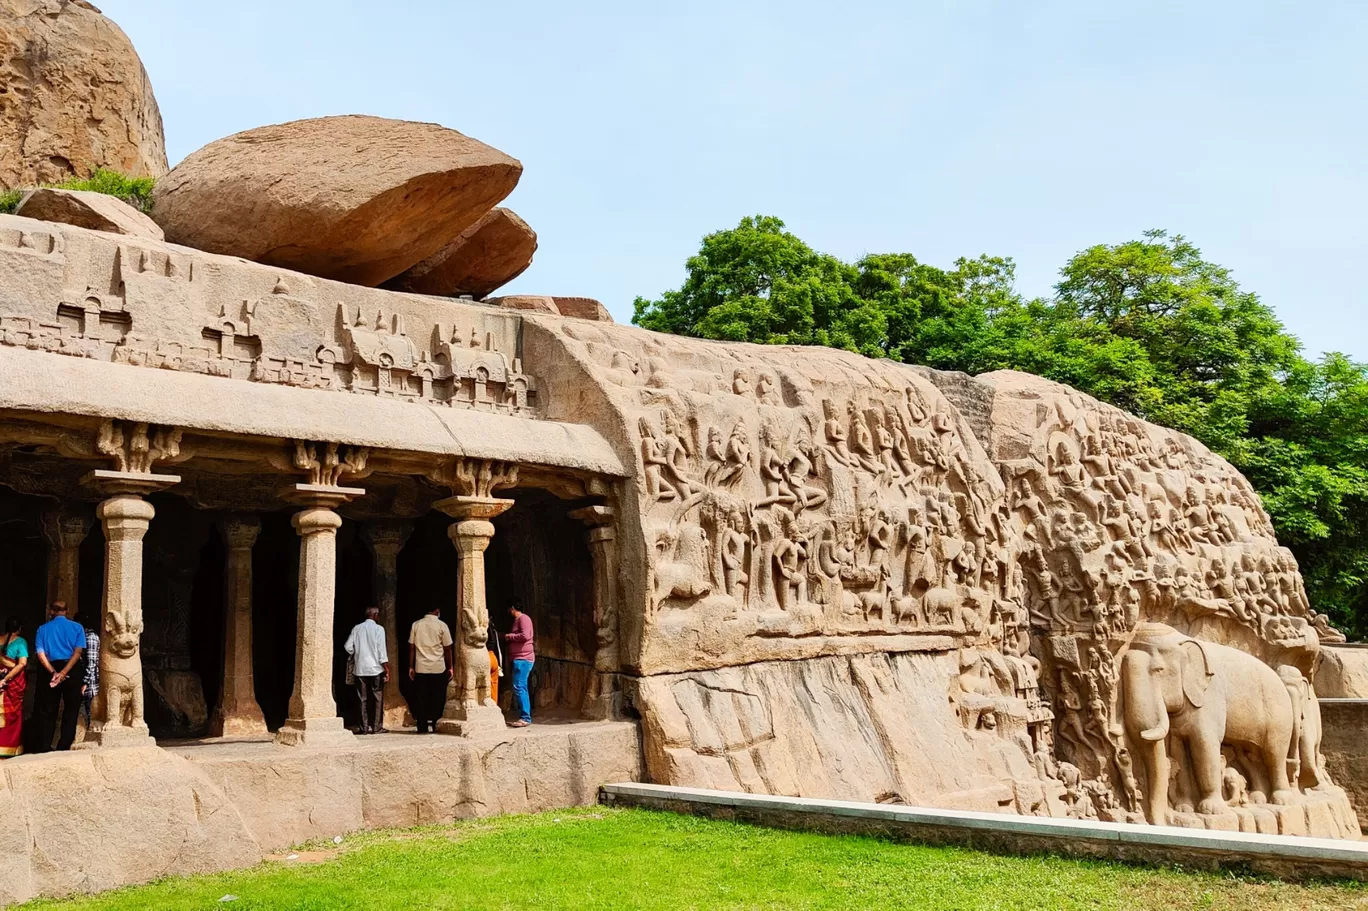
(65, 662)
(66, 659)
(432, 665)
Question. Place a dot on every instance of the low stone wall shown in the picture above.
(92, 820)
(1345, 747)
(1287, 857)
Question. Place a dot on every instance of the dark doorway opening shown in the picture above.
(540, 557)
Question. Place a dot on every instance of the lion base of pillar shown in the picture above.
(479, 719)
(120, 736)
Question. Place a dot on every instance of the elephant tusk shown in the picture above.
(1154, 733)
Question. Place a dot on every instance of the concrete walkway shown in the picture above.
(1287, 857)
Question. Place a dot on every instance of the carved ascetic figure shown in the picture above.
(1201, 695)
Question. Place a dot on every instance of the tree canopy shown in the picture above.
(1147, 325)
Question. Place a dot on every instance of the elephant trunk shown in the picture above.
(1145, 711)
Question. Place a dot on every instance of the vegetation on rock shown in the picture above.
(1147, 325)
(136, 191)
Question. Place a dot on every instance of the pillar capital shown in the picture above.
(240, 531)
(67, 527)
(316, 520)
(128, 483)
(321, 496)
(464, 509)
(386, 539)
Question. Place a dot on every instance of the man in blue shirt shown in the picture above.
(60, 646)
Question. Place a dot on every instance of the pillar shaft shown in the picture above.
(601, 696)
(313, 710)
(119, 715)
(386, 541)
(238, 713)
(469, 710)
(65, 531)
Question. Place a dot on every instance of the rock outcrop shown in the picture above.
(357, 199)
(578, 307)
(84, 209)
(487, 255)
(74, 96)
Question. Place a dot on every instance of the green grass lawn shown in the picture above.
(621, 859)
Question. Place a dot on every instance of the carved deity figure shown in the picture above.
(734, 541)
(653, 463)
(836, 435)
(790, 565)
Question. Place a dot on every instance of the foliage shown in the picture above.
(634, 859)
(136, 191)
(1148, 325)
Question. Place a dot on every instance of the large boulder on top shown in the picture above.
(74, 96)
(358, 199)
(85, 209)
(487, 255)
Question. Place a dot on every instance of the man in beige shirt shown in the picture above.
(430, 668)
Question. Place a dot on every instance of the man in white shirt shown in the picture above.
(370, 667)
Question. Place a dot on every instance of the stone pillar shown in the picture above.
(237, 714)
(600, 698)
(386, 539)
(66, 530)
(313, 718)
(469, 710)
(125, 516)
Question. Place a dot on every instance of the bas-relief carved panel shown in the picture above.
(1177, 641)
(801, 503)
(86, 294)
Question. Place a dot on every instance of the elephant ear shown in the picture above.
(1196, 670)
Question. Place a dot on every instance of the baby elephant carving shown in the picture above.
(121, 682)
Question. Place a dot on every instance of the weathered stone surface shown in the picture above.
(487, 255)
(885, 733)
(74, 96)
(583, 308)
(84, 209)
(358, 199)
(1342, 671)
(579, 307)
(94, 820)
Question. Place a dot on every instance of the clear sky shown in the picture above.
(1024, 129)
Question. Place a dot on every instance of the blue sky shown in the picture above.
(1028, 130)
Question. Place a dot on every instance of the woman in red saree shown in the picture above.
(13, 680)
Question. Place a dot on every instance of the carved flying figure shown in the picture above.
(836, 436)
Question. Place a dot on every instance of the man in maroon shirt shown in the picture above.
(522, 654)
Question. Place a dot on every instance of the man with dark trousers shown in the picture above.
(60, 646)
(430, 668)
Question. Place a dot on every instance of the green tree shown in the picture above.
(1147, 325)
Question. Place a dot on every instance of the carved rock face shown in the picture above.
(357, 199)
(485, 256)
(73, 96)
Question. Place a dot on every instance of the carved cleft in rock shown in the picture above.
(357, 199)
(73, 96)
(84, 209)
(487, 255)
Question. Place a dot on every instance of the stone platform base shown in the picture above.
(86, 821)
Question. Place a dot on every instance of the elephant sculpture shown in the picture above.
(1201, 695)
(1303, 756)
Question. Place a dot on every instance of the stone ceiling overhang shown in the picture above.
(37, 381)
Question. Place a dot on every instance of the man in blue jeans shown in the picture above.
(523, 655)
